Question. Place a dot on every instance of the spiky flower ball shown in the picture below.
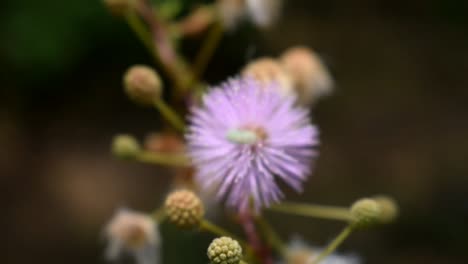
(184, 208)
(245, 137)
(224, 250)
(366, 212)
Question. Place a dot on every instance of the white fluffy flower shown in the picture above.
(264, 12)
(134, 233)
(309, 74)
(300, 253)
(232, 12)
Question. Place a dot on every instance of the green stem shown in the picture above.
(208, 226)
(335, 243)
(148, 40)
(207, 50)
(163, 159)
(170, 115)
(158, 215)
(319, 211)
(271, 236)
(141, 31)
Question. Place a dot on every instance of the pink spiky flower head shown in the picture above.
(244, 137)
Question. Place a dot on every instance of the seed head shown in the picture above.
(142, 84)
(184, 208)
(125, 147)
(366, 212)
(225, 250)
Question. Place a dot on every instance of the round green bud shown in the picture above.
(366, 212)
(224, 250)
(125, 147)
(389, 208)
(184, 208)
(142, 84)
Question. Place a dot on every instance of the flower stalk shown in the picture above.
(335, 243)
(271, 236)
(170, 115)
(318, 211)
(163, 159)
(207, 49)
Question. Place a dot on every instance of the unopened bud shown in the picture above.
(310, 77)
(125, 147)
(366, 212)
(118, 7)
(389, 208)
(164, 142)
(184, 208)
(142, 84)
(198, 21)
(224, 250)
(269, 72)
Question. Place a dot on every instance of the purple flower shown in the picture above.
(245, 136)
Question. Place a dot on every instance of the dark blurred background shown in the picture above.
(397, 124)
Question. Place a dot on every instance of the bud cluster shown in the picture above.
(184, 208)
(225, 250)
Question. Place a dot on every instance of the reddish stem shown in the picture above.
(160, 35)
(261, 250)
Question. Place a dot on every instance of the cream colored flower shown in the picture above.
(310, 76)
(231, 12)
(268, 72)
(298, 252)
(264, 13)
(133, 233)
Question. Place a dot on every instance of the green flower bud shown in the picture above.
(184, 208)
(389, 208)
(366, 212)
(125, 147)
(225, 250)
(142, 84)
